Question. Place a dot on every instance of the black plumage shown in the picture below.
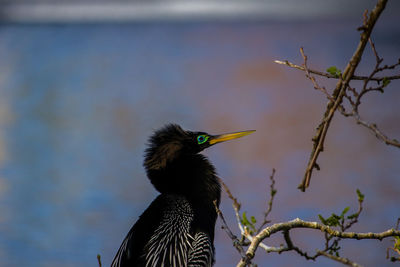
(177, 229)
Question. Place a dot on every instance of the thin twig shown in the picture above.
(339, 259)
(330, 76)
(312, 78)
(235, 240)
(290, 246)
(235, 201)
(245, 234)
(272, 194)
(270, 202)
(378, 133)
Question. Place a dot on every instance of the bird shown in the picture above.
(177, 229)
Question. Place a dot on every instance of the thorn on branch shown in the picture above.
(99, 259)
(316, 166)
(365, 18)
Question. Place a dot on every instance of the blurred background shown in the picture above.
(84, 83)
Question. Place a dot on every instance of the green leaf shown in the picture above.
(360, 196)
(385, 82)
(244, 220)
(396, 242)
(352, 216)
(344, 212)
(334, 71)
(250, 225)
(322, 219)
(253, 219)
(333, 220)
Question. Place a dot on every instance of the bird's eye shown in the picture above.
(202, 139)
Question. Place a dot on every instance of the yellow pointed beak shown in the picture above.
(225, 137)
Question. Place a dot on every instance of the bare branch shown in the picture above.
(335, 100)
(236, 242)
(312, 79)
(290, 246)
(378, 133)
(298, 223)
(365, 89)
(272, 192)
(330, 76)
(236, 204)
(339, 259)
(339, 93)
(245, 234)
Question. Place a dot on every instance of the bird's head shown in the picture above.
(171, 142)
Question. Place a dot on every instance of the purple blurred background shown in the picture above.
(81, 91)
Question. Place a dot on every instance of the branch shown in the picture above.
(244, 232)
(330, 76)
(298, 223)
(290, 246)
(382, 83)
(312, 78)
(339, 93)
(355, 104)
(270, 202)
(378, 133)
(339, 259)
(236, 204)
(236, 242)
(365, 89)
(328, 227)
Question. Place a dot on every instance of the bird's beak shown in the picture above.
(225, 137)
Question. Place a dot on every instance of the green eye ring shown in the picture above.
(201, 139)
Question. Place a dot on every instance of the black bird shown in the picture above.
(177, 229)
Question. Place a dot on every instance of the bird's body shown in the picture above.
(177, 229)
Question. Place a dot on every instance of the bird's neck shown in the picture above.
(192, 176)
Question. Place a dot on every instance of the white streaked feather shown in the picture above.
(202, 254)
(117, 260)
(170, 243)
